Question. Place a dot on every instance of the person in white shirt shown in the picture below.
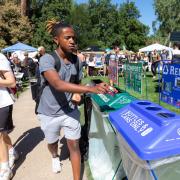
(7, 153)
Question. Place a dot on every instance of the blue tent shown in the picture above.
(19, 47)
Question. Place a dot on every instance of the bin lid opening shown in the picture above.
(153, 108)
(144, 103)
(166, 115)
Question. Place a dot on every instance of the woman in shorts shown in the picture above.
(7, 156)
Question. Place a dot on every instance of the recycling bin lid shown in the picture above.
(107, 102)
(152, 131)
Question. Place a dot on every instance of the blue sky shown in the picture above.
(145, 7)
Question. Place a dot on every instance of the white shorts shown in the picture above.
(69, 122)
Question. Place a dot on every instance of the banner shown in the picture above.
(171, 84)
(133, 76)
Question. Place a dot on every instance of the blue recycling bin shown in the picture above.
(149, 138)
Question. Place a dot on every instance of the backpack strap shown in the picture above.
(45, 83)
(76, 64)
(58, 65)
(57, 61)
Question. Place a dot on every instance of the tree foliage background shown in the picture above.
(97, 22)
(168, 19)
(13, 26)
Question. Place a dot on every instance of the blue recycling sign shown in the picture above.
(171, 84)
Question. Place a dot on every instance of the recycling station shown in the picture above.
(132, 139)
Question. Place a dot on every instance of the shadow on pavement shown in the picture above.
(26, 143)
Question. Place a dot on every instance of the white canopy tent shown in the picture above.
(156, 46)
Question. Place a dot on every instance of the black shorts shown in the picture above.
(6, 119)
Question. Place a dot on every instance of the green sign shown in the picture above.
(108, 103)
(133, 76)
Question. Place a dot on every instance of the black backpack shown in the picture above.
(40, 86)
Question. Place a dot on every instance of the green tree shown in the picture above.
(56, 9)
(103, 16)
(13, 27)
(98, 22)
(81, 22)
(168, 17)
(132, 32)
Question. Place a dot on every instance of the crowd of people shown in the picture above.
(151, 59)
(60, 73)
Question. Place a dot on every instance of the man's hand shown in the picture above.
(101, 88)
(76, 98)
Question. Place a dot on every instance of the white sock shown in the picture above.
(11, 150)
(5, 165)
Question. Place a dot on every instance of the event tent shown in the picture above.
(19, 47)
(152, 47)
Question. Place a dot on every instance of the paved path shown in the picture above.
(35, 160)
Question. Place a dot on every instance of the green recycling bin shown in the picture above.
(104, 156)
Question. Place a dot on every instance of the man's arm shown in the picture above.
(54, 80)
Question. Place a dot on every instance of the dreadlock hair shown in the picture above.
(54, 27)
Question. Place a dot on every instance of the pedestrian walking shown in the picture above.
(7, 152)
(155, 63)
(58, 103)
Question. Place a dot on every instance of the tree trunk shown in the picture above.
(24, 4)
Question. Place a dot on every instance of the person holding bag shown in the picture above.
(7, 152)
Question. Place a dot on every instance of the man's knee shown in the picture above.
(73, 145)
(53, 145)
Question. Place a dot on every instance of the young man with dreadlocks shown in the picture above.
(57, 108)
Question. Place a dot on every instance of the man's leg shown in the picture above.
(72, 132)
(155, 67)
(75, 156)
(153, 70)
(3, 148)
(8, 141)
(51, 129)
(53, 149)
(5, 171)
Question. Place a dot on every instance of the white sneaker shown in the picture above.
(56, 166)
(6, 174)
(12, 158)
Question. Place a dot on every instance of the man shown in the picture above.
(164, 55)
(58, 104)
(41, 51)
(28, 66)
(17, 63)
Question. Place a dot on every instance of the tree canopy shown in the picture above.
(97, 22)
(13, 27)
(168, 18)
